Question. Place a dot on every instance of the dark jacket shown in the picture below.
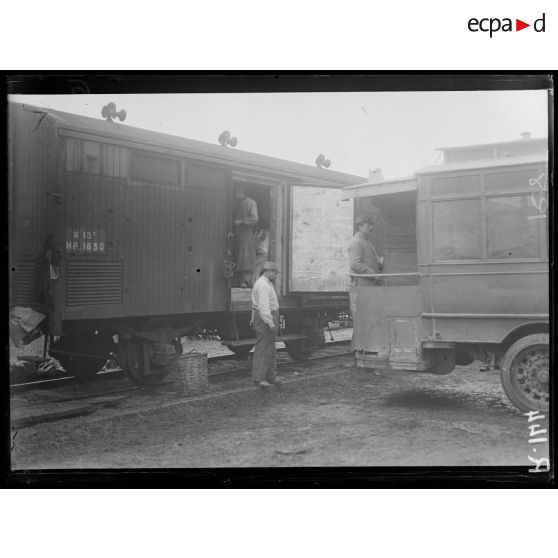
(363, 259)
(245, 242)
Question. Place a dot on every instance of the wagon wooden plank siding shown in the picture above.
(32, 140)
(210, 222)
(142, 221)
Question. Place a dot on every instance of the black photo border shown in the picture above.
(103, 82)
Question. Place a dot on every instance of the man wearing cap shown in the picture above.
(265, 320)
(362, 254)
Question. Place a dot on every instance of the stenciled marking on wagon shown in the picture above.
(542, 464)
(85, 240)
(542, 203)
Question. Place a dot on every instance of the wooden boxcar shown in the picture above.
(466, 273)
(122, 238)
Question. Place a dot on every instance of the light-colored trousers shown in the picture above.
(264, 366)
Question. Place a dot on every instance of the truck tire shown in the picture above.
(525, 373)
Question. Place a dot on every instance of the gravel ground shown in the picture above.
(327, 414)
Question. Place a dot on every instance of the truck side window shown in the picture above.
(510, 180)
(455, 185)
(513, 227)
(457, 230)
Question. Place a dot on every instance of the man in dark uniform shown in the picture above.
(245, 219)
(363, 257)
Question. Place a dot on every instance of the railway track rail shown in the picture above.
(64, 379)
(101, 377)
(116, 373)
(38, 402)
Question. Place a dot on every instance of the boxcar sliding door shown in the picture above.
(207, 225)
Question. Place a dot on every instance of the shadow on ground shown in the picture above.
(429, 399)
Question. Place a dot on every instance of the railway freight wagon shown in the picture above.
(123, 239)
(465, 275)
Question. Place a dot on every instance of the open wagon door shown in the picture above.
(321, 226)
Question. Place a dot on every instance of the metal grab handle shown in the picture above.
(381, 275)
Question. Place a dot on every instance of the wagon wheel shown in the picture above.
(177, 344)
(302, 349)
(525, 373)
(131, 360)
(86, 365)
(81, 367)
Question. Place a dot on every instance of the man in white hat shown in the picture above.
(265, 320)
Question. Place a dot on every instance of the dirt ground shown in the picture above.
(330, 414)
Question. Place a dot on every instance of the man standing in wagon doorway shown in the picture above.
(363, 257)
(245, 220)
(265, 320)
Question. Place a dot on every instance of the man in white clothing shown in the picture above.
(265, 320)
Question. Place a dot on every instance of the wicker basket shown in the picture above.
(190, 373)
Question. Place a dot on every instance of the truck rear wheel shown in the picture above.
(525, 373)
